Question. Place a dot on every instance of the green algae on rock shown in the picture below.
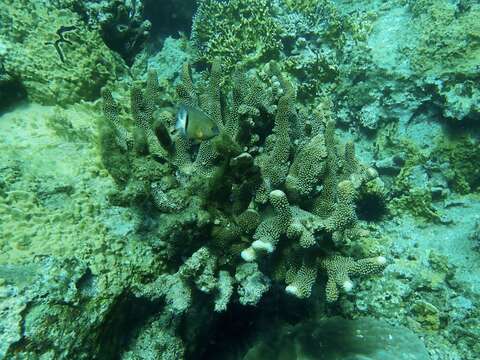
(88, 63)
(64, 260)
(447, 53)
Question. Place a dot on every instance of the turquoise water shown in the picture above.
(239, 179)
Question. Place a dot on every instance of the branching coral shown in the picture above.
(301, 280)
(339, 269)
(268, 179)
(307, 168)
(275, 164)
(182, 180)
(323, 182)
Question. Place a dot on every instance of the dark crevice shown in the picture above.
(12, 92)
(126, 316)
(169, 17)
(371, 207)
(240, 326)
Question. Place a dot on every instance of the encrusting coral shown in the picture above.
(266, 184)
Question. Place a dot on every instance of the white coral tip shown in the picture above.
(292, 290)
(381, 260)
(248, 254)
(263, 245)
(372, 173)
(347, 285)
(277, 194)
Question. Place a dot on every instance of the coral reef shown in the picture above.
(233, 30)
(157, 342)
(32, 195)
(420, 179)
(254, 162)
(426, 288)
(170, 16)
(128, 240)
(312, 41)
(167, 63)
(66, 255)
(459, 154)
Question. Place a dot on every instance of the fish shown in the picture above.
(194, 124)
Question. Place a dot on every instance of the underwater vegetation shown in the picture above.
(226, 179)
